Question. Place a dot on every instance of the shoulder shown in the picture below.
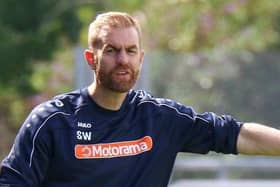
(60, 106)
(144, 99)
(65, 103)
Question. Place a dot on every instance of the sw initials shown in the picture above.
(83, 135)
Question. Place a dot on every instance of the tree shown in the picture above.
(31, 30)
(196, 25)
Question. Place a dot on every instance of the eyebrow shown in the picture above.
(133, 46)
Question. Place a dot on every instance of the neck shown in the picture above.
(106, 98)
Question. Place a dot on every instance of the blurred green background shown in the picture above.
(215, 55)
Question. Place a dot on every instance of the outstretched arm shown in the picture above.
(257, 139)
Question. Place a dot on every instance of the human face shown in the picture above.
(119, 60)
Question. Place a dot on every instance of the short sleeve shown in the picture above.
(200, 133)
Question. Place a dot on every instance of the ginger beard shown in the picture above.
(120, 79)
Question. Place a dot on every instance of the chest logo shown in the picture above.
(115, 149)
(84, 125)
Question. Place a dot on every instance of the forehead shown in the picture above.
(119, 36)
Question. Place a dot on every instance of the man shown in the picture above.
(110, 135)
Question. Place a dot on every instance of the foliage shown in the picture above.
(31, 30)
(195, 25)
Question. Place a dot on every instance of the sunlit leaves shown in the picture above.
(186, 25)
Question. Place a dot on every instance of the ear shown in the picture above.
(89, 56)
(142, 53)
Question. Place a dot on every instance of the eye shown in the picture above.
(109, 50)
(132, 50)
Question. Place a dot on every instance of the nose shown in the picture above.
(122, 57)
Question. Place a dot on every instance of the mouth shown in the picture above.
(122, 74)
